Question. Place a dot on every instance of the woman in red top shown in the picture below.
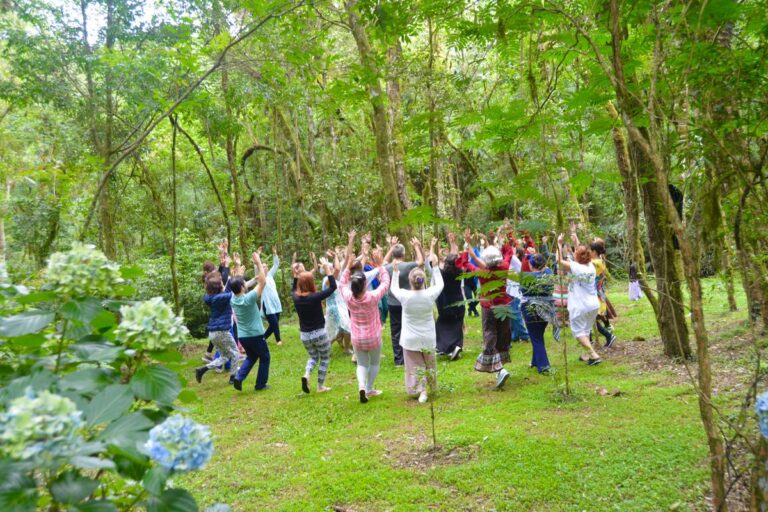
(494, 265)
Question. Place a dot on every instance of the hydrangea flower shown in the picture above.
(219, 507)
(761, 408)
(179, 444)
(82, 271)
(40, 427)
(150, 324)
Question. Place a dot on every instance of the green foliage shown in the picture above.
(79, 397)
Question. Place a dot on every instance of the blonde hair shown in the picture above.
(417, 279)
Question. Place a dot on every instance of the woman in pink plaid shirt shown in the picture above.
(365, 321)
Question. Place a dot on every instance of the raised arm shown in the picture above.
(260, 278)
(393, 241)
(437, 284)
(275, 263)
(562, 263)
(346, 292)
(472, 259)
(395, 289)
(418, 252)
(350, 256)
(383, 288)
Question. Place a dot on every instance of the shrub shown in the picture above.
(86, 404)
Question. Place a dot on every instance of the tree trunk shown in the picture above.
(629, 185)
(663, 220)
(395, 120)
(106, 207)
(392, 205)
(174, 277)
(231, 149)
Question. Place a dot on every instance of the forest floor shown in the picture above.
(630, 440)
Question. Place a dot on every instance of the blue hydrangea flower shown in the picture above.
(179, 444)
(40, 428)
(761, 408)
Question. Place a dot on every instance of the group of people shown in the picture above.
(515, 281)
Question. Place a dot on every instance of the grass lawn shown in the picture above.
(640, 446)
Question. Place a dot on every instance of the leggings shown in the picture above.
(368, 362)
(319, 349)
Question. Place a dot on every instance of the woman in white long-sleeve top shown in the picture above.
(418, 335)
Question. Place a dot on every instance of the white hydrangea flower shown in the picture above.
(40, 427)
(82, 271)
(150, 324)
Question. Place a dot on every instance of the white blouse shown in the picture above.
(418, 331)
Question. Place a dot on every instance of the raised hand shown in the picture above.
(468, 236)
(451, 237)
(236, 256)
(274, 250)
(377, 258)
(393, 241)
(560, 239)
(351, 236)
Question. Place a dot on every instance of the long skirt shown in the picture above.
(496, 340)
(449, 329)
(420, 368)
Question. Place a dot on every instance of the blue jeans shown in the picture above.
(519, 332)
(255, 349)
(536, 327)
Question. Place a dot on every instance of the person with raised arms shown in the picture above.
(308, 303)
(365, 322)
(418, 337)
(583, 304)
(247, 307)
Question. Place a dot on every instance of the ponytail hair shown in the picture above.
(357, 284)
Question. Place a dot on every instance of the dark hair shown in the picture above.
(450, 267)
(208, 267)
(538, 261)
(357, 266)
(213, 284)
(357, 284)
(236, 284)
(520, 252)
(598, 246)
(581, 255)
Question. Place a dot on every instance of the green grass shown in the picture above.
(522, 448)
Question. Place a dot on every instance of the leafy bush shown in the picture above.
(87, 418)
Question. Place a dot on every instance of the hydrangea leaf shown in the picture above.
(28, 322)
(97, 506)
(172, 500)
(156, 383)
(87, 380)
(82, 310)
(109, 404)
(154, 480)
(127, 431)
(99, 352)
(72, 488)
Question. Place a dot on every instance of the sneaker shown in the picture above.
(593, 362)
(455, 354)
(502, 378)
(305, 385)
(238, 384)
(323, 389)
(611, 341)
(423, 397)
(363, 398)
(231, 379)
(546, 371)
(266, 386)
(199, 372)
(279, 343)
(374, 392)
